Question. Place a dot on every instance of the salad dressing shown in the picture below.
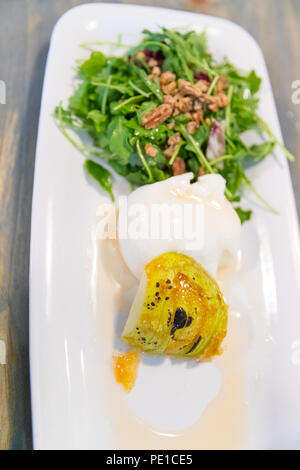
(222, 424)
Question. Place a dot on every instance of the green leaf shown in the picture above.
(153, 86)
(260, 151)
(79, 101)
(254, 82)
(100, 174)
(115, 93)
(93, 65)
(234, 175)
(98, 119)
(243, 214)
(118, 138)
(158, 175)
(137, 179)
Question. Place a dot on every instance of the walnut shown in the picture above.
(188, 88)
(150, 150)
(174, 139)
(152, 63)
(213, 107)
(197, 116)
(156, 71)
(167, 77)
(169, 99)
(202, 85)
(176, 111)
(169, 152)
(178, 166)
(169, 88)
(208, 99)
(221, 84)
(185, 104)
(223, 100)
(157, 116)
(197, 104)
(218, 101)
(171, 125)
(191, 127)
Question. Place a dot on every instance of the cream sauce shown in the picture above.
(223, 423)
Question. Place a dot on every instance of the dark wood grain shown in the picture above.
(25, 28)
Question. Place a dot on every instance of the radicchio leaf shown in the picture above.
(216, 142)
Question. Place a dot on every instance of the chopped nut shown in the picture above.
(171, 125)
(188, 98)
(203, 86)
(167, 77)
(150, 150)
(176, 111)
(191, 127)
(202, 171)
(185, 104)
(152, 63)
(169, 99)
(156, 71)
(157, 116)
(213, 107)
(189, 89)
(174, 139)
(178, 166)
(207, 120)
(197, 116)
(169, 88)
(197, 104)
(221, 84)
(169, 152)
(223, 100)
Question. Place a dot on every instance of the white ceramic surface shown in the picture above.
(66, 378)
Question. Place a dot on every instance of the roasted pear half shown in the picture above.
(178, 310)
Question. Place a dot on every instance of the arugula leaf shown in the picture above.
(79, 102)
(153, 86)
(118, 138)
(260, 151)
(243, 214)
(93, 65)
(115, 93)
(98, 119)
(100, 174)
(254, 82)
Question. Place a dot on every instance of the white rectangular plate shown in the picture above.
(68, 366)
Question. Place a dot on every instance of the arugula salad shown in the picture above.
(164, 108)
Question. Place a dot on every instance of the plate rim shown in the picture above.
(59, 23)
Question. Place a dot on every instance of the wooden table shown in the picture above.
(25, 28)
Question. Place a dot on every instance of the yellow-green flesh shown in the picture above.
(178, 310)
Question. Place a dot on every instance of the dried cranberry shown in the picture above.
(201, 76)
(157, 55)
